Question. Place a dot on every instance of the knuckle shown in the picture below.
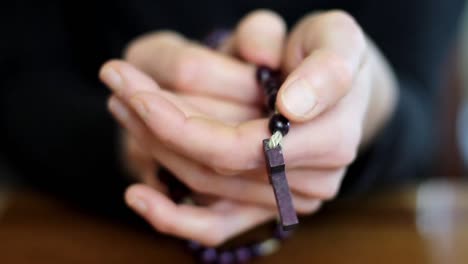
(339, 69)
(266, 19)
(327, 190)
(132, 51)
(213, 234)
(185, 68)
(344, 155)
(164, 227)
(347, 24)
(258, 24)
(340, 17)
(330, 190)
(136, 49)
(344, 20)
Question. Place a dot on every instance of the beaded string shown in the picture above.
(275, 140)
(270, 81)
(278, 125)
(180, 193)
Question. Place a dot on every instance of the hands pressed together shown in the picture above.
(198, 112)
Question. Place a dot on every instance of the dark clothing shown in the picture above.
(56, 131)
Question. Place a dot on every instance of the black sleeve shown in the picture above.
(416, 37)
(55, 129)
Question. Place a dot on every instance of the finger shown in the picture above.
(227, 148)
(190, 104)
(205, 181)
(197, 177)
(324, 53)
(165, 119)
(309, 183)
(259, 38)
(230, 112)
(138, 162)
(208, 141)
(127, 118)
(317, 184)
(185, 66)
(209, 225)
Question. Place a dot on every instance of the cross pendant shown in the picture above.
(277, 175)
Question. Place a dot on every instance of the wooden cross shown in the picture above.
(277, 175)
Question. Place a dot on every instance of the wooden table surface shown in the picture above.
(420, 224)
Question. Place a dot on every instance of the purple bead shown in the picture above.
(279, 123)
(226, 257)
(209, 255)
(216, 38)
(256, 250)
(194, 246)
(263, 74)
(280, 233)
(272, 85)
(271, 101)
(243, 255)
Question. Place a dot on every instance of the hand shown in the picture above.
(179, 60)
(316, 157)
(209, 224)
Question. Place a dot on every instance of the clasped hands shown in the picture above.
(198, 112)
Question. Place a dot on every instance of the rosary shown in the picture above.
(270, 81)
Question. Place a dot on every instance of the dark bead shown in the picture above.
(272, 85)
(270, 102)
(226, 257)
(208, 255)
(280, 233)
(279, 123)
(256, 250)
(194, 246)
(263, 74)
(216, 38)
(243, 255)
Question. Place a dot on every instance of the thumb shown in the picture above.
(331, 48)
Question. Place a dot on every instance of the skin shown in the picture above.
(197, 112)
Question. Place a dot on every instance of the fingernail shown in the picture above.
(137, 204)
(118, 109)
(140, 107)
(299, 98)
(112, 78)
